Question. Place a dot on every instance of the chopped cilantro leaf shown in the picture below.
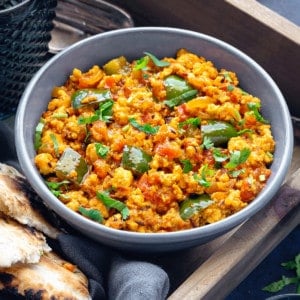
(113, 203)
(277, 286)
(187, 165)
(104, 113)
(195, 122)
(147, 128)
(238, 157)
(227, 77)
(55, 144)
(203, 179)
(194, 204)
(141, 64)
(92, 214)
(254, 107)
(207, 143)
(101, 150)
(55, 186)
(246, 130)
(284, 281)
(236, 173)
(156, 61)
(218, 155)
(106, 110)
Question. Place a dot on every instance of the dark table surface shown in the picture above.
(270, 270)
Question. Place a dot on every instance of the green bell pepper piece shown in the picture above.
(85, 97)
(135, 159)
(178, 91)
(194, 204)
(219, 132)
(69, 162)
(115, 66)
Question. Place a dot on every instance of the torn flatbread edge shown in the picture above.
(20, 243)
(16, 201)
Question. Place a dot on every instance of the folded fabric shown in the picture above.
(111, 274)
(136, 280)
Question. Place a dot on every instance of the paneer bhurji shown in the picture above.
(154, 145)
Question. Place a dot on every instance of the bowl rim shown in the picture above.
(152, 238)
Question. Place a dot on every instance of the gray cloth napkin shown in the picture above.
(136, 280)
(112, 274)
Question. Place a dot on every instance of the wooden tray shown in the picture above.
(272, 40)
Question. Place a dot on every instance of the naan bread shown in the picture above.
(28, 266)
(15, 201)
(19, 243)
(48, 279)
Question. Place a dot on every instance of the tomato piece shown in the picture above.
(143, 183)
(110, 82)
(182, 112)
(247, 194)
(168, 149)
(145, 186)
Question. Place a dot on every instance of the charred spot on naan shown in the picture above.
(5, 279)
(9, 287)
(47, 279)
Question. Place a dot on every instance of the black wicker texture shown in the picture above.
(25, 32)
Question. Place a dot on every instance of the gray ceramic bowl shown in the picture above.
(162, 42)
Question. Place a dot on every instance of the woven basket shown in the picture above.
(25, 32)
